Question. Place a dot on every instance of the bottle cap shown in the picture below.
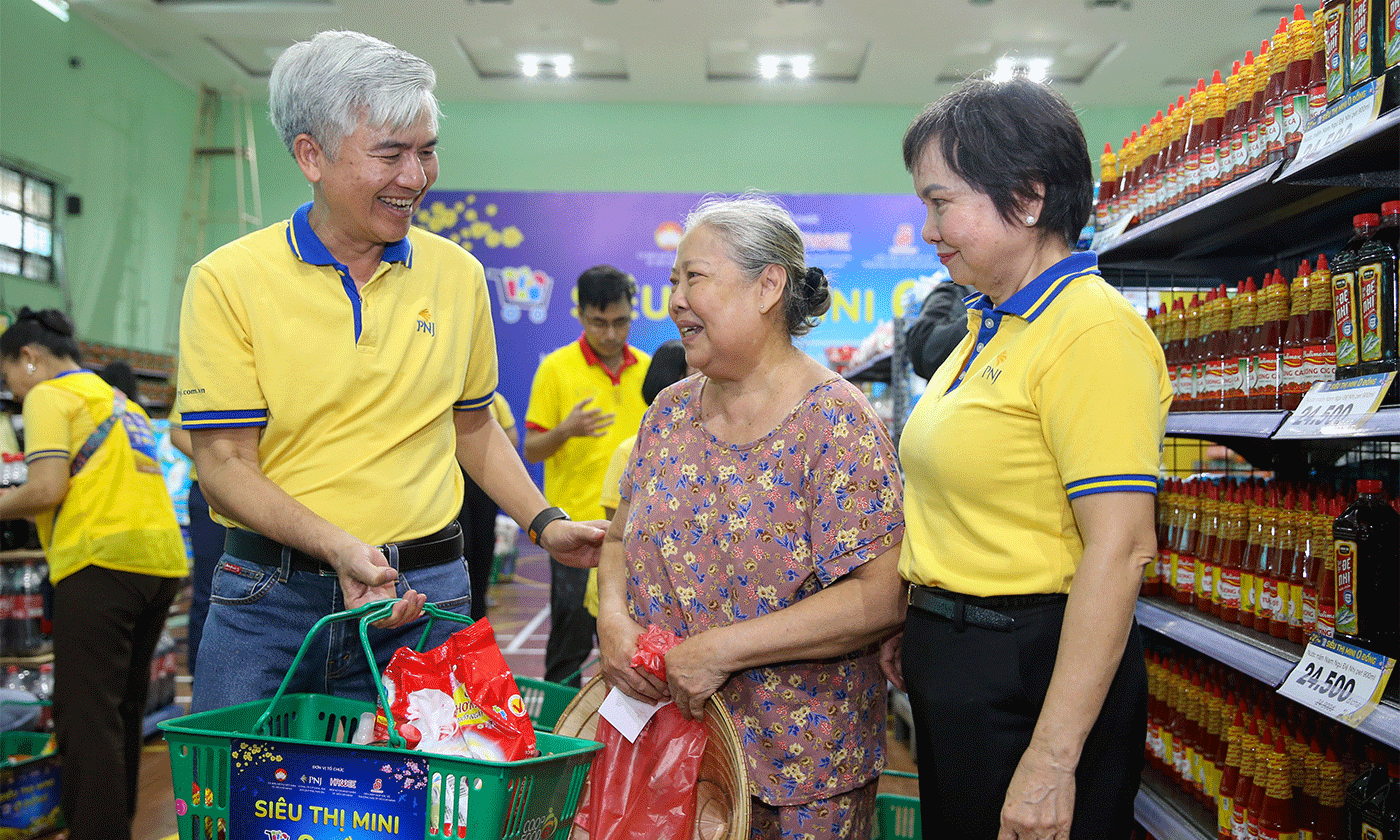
(1321, 262)
(1298, 13)
(1370, 486)
(1390, 208)
(1304, 268)
(1366, 220)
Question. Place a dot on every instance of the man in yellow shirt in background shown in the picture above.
(586, 398)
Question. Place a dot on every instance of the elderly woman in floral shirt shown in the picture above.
(761, 522)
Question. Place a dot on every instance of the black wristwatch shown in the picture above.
(542, 519)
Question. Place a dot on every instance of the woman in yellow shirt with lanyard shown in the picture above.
(115, 557)
(1030, 466)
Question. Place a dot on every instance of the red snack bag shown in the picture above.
(458, 698)
(645, 790)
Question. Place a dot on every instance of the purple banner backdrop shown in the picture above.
(534, 245)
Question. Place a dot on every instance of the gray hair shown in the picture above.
(325, 86)
(760, 232)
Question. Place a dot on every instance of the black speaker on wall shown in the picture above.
(74, 205)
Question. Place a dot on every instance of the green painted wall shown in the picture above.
(116, 131)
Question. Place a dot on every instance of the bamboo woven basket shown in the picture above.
(722, 790)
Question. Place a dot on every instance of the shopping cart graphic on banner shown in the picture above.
(522, 288)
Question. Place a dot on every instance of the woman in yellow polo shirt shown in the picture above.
(1030, 466)
(115, 557)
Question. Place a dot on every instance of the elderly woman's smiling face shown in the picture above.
(713, 304)
(979, 247)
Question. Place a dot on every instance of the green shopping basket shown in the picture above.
(546, 701)
(28, 787)
(898, 817)
(286, 769)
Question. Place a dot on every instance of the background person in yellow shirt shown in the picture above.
(585, 399)
(115, 558)
(1030, 463)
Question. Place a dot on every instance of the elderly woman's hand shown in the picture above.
(617, 642)
(695, 670)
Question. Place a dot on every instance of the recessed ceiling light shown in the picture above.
(1037, 69)
(1005, 67)
(801, 66)
(529, 65)
(768, 66)
(563, 66)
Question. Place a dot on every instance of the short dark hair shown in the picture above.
(667, 368)
(47, 328)
(119, 375)
(1004, 138)
(603, 285)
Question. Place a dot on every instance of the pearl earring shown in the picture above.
(31, 367)
(1030, 220)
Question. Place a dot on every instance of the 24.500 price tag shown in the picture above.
(1338, 680)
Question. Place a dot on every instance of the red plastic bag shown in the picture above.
(459, 698)
(646, 790)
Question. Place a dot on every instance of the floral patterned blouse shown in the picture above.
(719, 533)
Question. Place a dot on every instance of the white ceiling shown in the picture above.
(899, 52)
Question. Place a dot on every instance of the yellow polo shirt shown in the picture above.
(117, 513)
(353, 389)
(573, 474)
(1060, 392)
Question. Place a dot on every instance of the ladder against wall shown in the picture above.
(223, 132)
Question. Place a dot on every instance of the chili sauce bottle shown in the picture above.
(1293, 383)
(1366, 539)
(1321, 327)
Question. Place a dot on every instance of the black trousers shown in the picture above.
(571, 627)
(207, 544)
(478, 521)
(105, 628)
(976, 695)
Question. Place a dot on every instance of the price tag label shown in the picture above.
(1341, 681)
(1109, 235)
(1338, 408)
(1342, 120)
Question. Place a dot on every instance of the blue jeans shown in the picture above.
(259, 616)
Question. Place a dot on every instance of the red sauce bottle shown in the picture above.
(1321, 327)
(1251, 572)
(1190, 345)
(1279, 55)
(1330, 823)
(1267, 568)
(1211, 133)
(1327, 577)
(1297, 78)
(1230, 778)
(1231, 553)
(1210, 552)
(1249, 756)
(1239, 138)
(1282, 568)
(1230, 124)
(1217, 341)
(1243, 313)
(1300, 577)
(1277, 818)
(1273, 315)
(1292, 382)
(1317, 68)
(1176, 159)
(1194, 133)
(1254, 132)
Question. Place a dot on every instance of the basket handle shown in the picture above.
(367, 614)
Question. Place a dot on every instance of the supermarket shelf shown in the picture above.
(149, 728)
(1257, 654)
(1211, 424)
(1168, 812)
(877, 369)
(1263, 425)
(1276, 212)
(1360, 161)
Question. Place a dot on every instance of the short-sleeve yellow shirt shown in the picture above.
(1060, 392)
(566, 377)
(117, 513)
(354, 389)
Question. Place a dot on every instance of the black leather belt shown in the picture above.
(970, 609)
(432, 550)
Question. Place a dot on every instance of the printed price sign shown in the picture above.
(1338, 680)
(1336, 408)
(1338, 124)
(1109, 235)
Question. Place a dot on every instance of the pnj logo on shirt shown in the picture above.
(993, 370)
(425, 323)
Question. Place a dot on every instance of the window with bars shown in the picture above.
(26, 225)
